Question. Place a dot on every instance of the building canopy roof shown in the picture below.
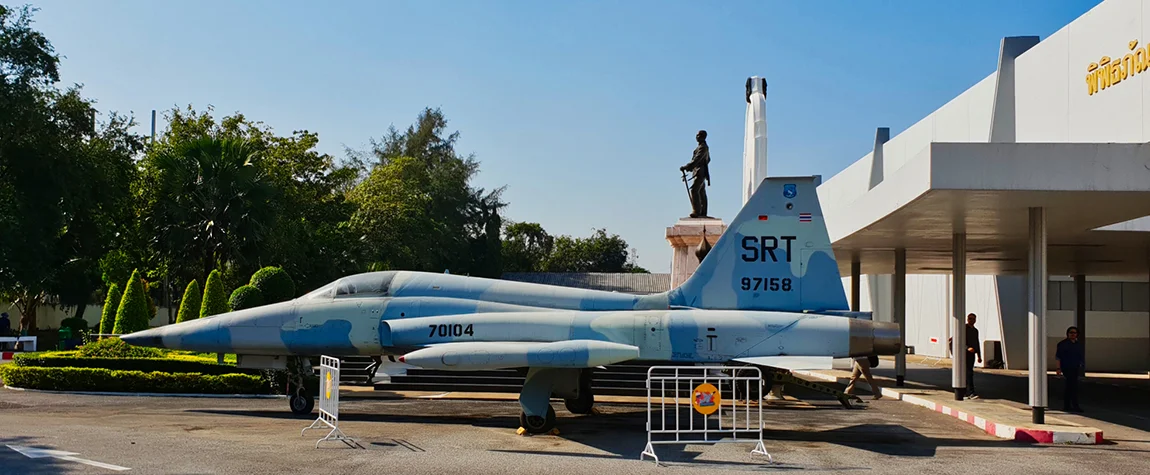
(984, 190)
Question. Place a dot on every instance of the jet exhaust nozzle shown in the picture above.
(869, 337)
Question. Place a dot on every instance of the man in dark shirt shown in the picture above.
(972, 350)
(1071, 365)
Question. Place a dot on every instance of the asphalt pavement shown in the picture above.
(67, 433)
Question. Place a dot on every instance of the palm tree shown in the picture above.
(214, 198)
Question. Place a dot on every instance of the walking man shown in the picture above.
(1071, 365)
(861, 366)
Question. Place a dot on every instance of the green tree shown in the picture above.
(132, 314)
(245, 296)
(111, 303)
(526, 247)
(416, 209)
(599, 253)
(215, 298)
(274, 284)
(210, 199)
(65, 177)
(190, 303)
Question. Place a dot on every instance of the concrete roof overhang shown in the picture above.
(984, 190)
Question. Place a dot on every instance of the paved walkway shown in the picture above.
(1117, 405)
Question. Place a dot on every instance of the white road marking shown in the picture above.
(35, 453)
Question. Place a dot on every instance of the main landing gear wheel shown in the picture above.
(586, 399)
(301, 403)
(536, 424)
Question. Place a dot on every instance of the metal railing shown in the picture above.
(710, 389)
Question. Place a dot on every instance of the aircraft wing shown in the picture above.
(474, 355)
(790, 362)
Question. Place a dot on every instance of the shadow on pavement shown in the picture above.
(12, 461)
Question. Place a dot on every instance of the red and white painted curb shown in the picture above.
(6, 355)
(1085, 436)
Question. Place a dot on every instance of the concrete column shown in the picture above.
(856, 285)
(958, 316)
(1036, 282)
(898, 308)
(1080, 309)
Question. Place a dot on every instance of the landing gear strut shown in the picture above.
(585, 401)
(299, 400)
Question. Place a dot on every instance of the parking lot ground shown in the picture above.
(411, 435)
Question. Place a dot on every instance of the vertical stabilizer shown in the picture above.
(775, 255)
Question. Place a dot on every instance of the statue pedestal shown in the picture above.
(685, 237)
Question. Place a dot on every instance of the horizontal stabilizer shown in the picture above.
(477, 355)
(791, 363)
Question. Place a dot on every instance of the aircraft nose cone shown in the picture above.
(151, 338)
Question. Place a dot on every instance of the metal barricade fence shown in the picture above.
(704, 421)
(329, 403)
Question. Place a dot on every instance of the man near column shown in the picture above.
(972, 351)
(1071, 365)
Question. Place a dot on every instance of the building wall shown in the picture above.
(49, 317)
(1054, 102)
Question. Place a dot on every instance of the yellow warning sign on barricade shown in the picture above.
(706, 398)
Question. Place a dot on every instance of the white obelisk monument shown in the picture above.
(755, 137)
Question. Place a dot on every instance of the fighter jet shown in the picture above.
(767, 293)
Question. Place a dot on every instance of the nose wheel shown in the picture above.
(537, 424)
(301, 403)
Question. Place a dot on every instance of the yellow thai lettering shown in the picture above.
(1104, 73)
(1092, 79)
(1108, 72)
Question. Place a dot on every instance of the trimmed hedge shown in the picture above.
(190, 304)
(99, 379)
(246, 296)
(215, 300)
(274, 283)
(165, 365)
(111, 303)
(113, 347)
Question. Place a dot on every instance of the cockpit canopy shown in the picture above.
(370, 284)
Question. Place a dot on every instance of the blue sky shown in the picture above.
(585, 110)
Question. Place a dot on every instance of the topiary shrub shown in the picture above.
(113, 347)
(77, 324)
(132, 314)
(111, 303)
(275, 284)
(246, 296)
(190, 304)
(148, 298)
(215, 299)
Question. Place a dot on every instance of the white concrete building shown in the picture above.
(1039, 170)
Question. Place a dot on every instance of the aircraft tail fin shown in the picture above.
(775, 255)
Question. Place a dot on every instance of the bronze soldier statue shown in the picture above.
(701, 176)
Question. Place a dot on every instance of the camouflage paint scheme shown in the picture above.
(769, 287)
